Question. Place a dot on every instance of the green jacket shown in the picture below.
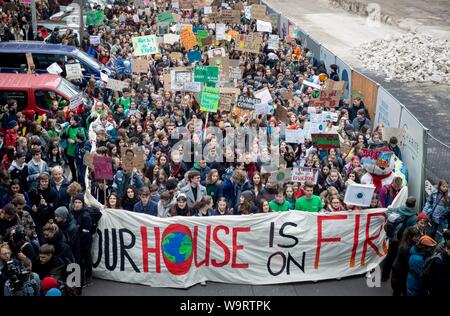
(71, 133)
(275, 207)
(410, 213)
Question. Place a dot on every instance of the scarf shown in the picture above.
(377, 180)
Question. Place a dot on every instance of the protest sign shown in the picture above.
(210, 99)
(248, 12)
(73, 71)
(54, 69)
(206, 73)
(185, 4)
(261, 109)
(233, 34)
(359, 194)
(163, 29)
(330, 95)
(145, 45)
(102, 168)
(208, 10)
(259, 12)
(201, 34)
(228, 97)
(94, 17)
(262, 26)
(171, 38)
(179, 76)
(188, 38)
(399, 133)
(224, 64)
(359, 244)
(295, 136)
(274, 42)
(140, 66)
(132, 158)
(207, 41)
(281, 114)
(247, 103)
(94, 40)
(330, 116)
(264, 95)
(300, 174)
(194, 56)
(230, 16)
(176, 55)
(235, 73)
(116, 85)
(216, 52)
(250, 43)
(326, 141)
(220, 31)
(192, 86)
(165, 17)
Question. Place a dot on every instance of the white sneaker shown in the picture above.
(203, 283)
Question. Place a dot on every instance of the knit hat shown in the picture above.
(48, 283)
(427, 241)
(78, 197)
(62, 211)
(53, 292)
(422, 215)
(349, 127)
(12, 124)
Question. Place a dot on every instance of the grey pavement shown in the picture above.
(350, 286)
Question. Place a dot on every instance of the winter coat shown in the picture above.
(122, 180)
(201, 192)
(440, 276)
(414, 286)
(215, 191)
(436, 209)
(164, 211)
(53, 268)
(84, 225)
(34, 170)
(150, 209)
(69, 230)
(409, 213)
(20, 173)
(234, 193)
(62, 196)
(62, 248)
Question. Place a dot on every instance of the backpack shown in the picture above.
(395, 225)
(425, 275)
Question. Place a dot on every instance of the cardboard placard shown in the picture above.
(326, 141)
(228, 97)
(116, 85)
(273, 42)
(185, 4)
(230, 16)
(179, 76)
(102, 167)
(235, 73)
(132, 158)
(247, 103)
(300, 174)
(250, 43)
(188, 38)
(259, 12)
(281, 114)
(207, 41)
(192, 87)
(145, 45)
(73, 71)
(330, 94)
(210, 99)
(140, 66)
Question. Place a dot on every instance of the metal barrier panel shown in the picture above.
(327, 57)
(368, 88)
(345, 74)
(314, 46)
(388, 109)
(414, 152)
(438, 160)
(284, 26)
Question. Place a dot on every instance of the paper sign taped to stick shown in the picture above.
(102, 168)
(73, 71)
(54, 69)
(116, 85)
(132, 158)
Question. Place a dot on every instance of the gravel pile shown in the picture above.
(409, 57)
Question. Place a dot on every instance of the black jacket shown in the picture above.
(84, 225)
(62, 248)
(440, 276)
(53, 268)
(62, 197)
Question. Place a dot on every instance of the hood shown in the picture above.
(406, 211)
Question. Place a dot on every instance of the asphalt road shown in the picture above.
(351, 286)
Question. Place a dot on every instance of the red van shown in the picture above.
(38, 91)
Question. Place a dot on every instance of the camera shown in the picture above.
(17, 275)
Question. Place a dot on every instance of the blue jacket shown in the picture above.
(122, 180)
(357, 124)
(232, 192)
(150, 209)
(414, 286)
(436, 209)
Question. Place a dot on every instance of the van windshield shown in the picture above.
(82, 56)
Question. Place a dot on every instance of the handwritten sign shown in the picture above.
(94, 40)
(302, 175)
(273, 42)
(230, 16)
(206, 74)
(210, 99)
(188, 38)
(194, 56)
(330, 95)
(201, 34)
(132, 158)
(116, 85)
(145, 45)
(73, 71)
(326, 141)
(171, 38)
(140, 66)
(54, 69)
(262, 26)
(247, 103)
(165, 17)
(295, 136)
(250, 43)
(259, 12)
(102, 168)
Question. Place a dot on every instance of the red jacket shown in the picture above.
(11, 137)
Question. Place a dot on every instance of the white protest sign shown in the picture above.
(104, 77)
(261, 108)
(300, 174)
(116, 85)
(264, 95)
(152, 246)
(295, 136)
(73, 71)
(94, 40)
(220, 31)
(263, 26)
(207, 10)
(54, 69)
(359, 194)
(311, 84)
(171, 38)
(330, 116)
(248, 12)
(192, 86)
(216, 52)
(136, 18)
(274, 42)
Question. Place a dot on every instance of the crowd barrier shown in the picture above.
(425, 156)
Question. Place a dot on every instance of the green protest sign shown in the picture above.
(206, 73)
(95, 17)
(201, 34)
(145, 45)
(210, 99)
(165, 17)
(326, 141)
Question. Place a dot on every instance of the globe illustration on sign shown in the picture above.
(360, 195)
(177, 247)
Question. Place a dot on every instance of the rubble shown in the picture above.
(409, 57)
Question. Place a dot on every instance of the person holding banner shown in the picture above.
(309, 202)
(279, 204)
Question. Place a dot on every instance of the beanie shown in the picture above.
(349, 127)
(12, 124)
(62, 211)
(53, 292)
(422, 215)
(47, 283)
(78, 197)
(427, 241)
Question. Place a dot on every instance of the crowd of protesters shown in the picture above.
(46, 225)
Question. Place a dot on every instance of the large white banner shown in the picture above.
(270, 248)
